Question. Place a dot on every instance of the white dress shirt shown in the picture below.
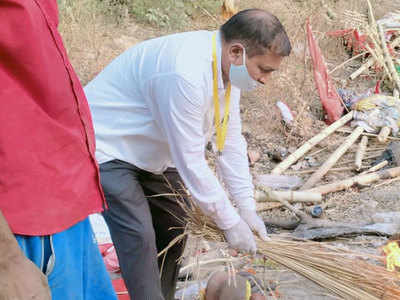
(153, 107)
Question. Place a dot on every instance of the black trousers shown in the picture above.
(140, 227)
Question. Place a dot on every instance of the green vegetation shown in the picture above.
(167, 14)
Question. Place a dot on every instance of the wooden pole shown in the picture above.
(295, 156)
(360, 153)
(360, 179)
(333, 158)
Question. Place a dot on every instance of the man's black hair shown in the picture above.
(259, 31)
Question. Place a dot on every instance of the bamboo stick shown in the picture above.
(388, 58)
(376, 167)
(344, 130)
(378, 55)
(352, 160)
(387, 182)
(360, 152)
(291, 196)
(295, 156)
(307, 171)
(371, 60)
(371, 17)
(384, 134)
(369, 63)
(333, 158)
(360, 179)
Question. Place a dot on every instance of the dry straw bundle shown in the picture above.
(340, 271)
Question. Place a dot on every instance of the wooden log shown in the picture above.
(376, 167)
(360, 153)
(333, 158)
(269, 195)
(295, 156)
(384, 134)
(360, 179)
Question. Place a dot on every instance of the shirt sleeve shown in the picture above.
(232, 165)
(178, 108)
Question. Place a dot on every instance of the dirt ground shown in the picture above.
(262, 125)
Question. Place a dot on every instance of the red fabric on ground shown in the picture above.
(327, 92)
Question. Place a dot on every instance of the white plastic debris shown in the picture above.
(286, 113)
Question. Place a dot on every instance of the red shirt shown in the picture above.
(49, 179)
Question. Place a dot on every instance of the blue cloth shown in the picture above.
(72, 262)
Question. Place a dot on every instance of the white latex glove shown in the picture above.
(240, 237)
(255, 222)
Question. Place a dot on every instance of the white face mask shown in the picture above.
(239, 76)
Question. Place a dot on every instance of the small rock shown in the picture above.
(312, 162)
(279, 154)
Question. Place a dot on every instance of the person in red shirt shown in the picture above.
(49, 179)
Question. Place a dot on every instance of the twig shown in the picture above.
(207, 262)
(208, 14)
(318, 151)
(346, 62)
(387, 181)
(267, 206)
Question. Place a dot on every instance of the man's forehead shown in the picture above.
(269, 60)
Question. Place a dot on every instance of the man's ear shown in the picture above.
(235, 54)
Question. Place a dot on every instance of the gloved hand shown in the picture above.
(255, 222)
(240, 237)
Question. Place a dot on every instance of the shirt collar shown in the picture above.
(219, 54)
